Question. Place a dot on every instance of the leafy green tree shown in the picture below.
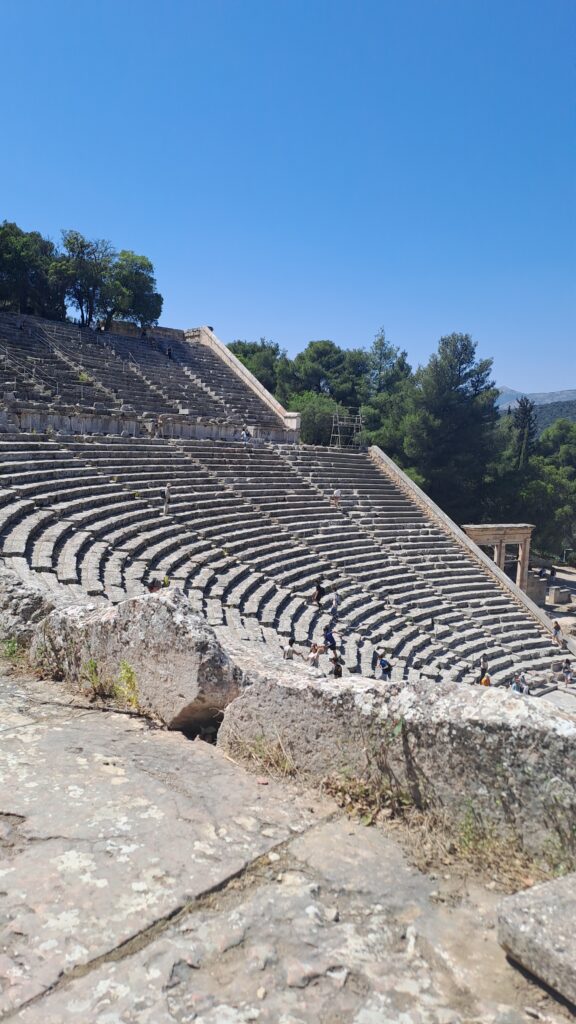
(262, 358)
(524, 421)
(388, 365)
(350, 384)
(28, 283)
(128, 291)
(87, 269)
(317, 414)
(558, 445)
(317, 366)
(449, 431)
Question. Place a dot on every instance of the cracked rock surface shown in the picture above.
(145, 878)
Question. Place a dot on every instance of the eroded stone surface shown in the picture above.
(110, 826)
(22, 605)
(320, 936)
(538, 929)
(146, 879)
(178, 668)
(514, 761)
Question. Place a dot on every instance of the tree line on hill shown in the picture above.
(552, 411)
(39, 278)
(440, 423)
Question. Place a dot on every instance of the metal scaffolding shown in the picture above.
(345, 429)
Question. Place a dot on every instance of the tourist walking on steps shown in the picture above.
(167, 497)
(334, 603)
(335, 497)
(244, 437)
(557, 634)
(317, 594)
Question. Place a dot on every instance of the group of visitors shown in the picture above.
(328, 645)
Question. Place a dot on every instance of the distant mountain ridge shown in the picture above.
(508, 396)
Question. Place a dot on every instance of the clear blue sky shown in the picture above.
(306, 169)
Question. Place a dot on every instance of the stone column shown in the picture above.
(523, 562)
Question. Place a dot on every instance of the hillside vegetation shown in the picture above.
(547, 414)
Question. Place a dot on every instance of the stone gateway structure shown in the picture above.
(498, 536)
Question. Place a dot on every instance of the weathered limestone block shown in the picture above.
(167, 653)
(537, 928)
(22, 606)
(487, 760)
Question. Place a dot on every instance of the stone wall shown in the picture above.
(491, 763)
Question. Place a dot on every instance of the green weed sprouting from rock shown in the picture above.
(100, 687)
(11, 650)
(127, 686)
(84, 378)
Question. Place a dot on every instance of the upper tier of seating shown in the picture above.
(249, 531)
(60, 364)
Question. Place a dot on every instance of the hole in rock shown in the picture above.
(199, 723)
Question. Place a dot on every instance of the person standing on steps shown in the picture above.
(313, 656)
(336, 497)
(384, 666)
(167, 498)
(483, 667)
(557, 634)
(329, 639)
(317, 594)
(336, 666)
(334, 603)
(288, 653)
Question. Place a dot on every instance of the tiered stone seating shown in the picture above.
(249, 531)
(38, 372)
(204, 365)
(136, 371)
(56, 364)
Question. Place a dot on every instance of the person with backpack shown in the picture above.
(329, 639)
(384, 666)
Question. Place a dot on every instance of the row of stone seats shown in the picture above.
(135, 371)
(304, 514)
(38, 372)
(65, 364)
(205, 365)
(424, 547)
(95, 531)
(247, 533)
(169, 378)
(99, 360)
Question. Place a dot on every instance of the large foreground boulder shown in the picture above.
(495, 766)
(537, 928)
(153, 651)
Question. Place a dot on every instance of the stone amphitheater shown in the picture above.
(146, 878)
(94, 426)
